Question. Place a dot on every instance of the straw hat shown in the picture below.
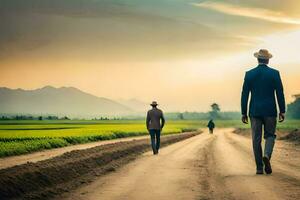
(154, 103)
(263, 54)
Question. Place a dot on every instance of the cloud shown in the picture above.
(257, 13)
(66, 31)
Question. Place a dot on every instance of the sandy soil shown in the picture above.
(218, 166)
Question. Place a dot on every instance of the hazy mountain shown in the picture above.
(135, 104)
(68, 101)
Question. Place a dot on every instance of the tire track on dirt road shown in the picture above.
(235, 163)
(285, 179)
(285, 155)
(218, 166)
(173, 174)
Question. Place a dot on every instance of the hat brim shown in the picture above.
(257, 55)
(153, 104)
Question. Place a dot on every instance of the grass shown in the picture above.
(20, 137)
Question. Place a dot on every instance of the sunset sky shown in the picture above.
(185, 54)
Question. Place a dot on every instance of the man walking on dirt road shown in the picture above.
(211, 126)
(263, 82)
(155, 122)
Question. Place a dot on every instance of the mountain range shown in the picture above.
(62, 101)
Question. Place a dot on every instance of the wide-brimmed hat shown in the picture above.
(263, 54)
(154, 103)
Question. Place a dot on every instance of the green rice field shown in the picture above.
(20, 137)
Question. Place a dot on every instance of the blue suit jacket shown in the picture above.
(262, 82)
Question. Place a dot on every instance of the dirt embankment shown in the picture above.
(293, 135)
(51, 153)
(48, 178)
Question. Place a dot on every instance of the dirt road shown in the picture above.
(218, 166)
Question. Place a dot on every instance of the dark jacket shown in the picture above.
(211, 124)
(153, 119)
(262, 82)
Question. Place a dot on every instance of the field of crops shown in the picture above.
(19, 137)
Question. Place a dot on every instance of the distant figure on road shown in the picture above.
(263, 82)
(211, 126)
(155, 122)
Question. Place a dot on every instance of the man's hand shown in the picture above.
(281, 117)
(245, 119)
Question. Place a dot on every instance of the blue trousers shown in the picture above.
(155, 139)
(268, 126)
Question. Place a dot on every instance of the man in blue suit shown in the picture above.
(263, 83)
